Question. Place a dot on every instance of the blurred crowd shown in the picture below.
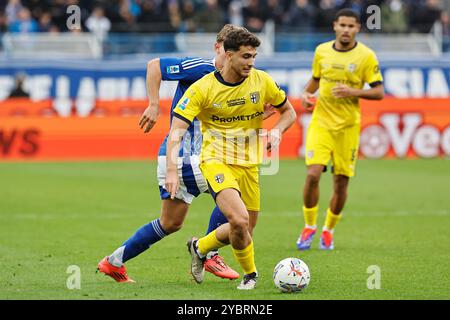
(147, 16)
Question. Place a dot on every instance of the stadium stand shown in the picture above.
(164, 18)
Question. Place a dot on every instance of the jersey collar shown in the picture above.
(222, 81)
(334, 47)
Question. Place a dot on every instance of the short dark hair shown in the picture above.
(237, 38)
(225, 30)
(347, 13)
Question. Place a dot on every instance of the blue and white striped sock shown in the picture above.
(138, 243)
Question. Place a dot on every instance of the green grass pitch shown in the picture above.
(54, 215)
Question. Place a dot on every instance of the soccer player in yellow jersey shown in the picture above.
(230, 105)
(340, 70)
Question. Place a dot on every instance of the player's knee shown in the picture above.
(313, 178)
(239, 224)
(171, 226)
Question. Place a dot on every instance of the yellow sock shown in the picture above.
(310, 215)
(208, 243)
(331, 220)
(246, 258)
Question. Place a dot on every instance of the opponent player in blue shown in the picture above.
(186, 71)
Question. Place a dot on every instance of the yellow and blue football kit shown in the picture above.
(335, 125)
(231, 116)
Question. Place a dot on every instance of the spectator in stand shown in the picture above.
(12, 10)
(58, 13)
(45, 22)
(37, 8)
(398, 16)
(24, 23)
(154, 17)
(210, 18)
(276, 11)
(426, 16)
(18, 91)
(235, 13)
(174, 14)
(3, 22)
(301, 17)
(225, 8)
(98, 24)
(187, 16)
(255, 15)
(356, 5)
(127, 15)
(134, 7)
(325, 17)
(394, 15)
(124, 16)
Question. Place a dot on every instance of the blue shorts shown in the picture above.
(192, 182)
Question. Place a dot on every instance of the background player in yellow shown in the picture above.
(341, 68)
(230, 105)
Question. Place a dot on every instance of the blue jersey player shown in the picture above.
(186, 71)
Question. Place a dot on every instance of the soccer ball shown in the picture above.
(291, 275)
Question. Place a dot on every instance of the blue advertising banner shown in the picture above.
(86, 81)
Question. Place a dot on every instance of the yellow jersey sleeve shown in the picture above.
(190, 104)
(372, 74)
(274, 94)
(316, 66)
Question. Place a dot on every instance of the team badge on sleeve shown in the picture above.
(219, 178)
(376, 69)
(254, 97)
(183, 104)
(173, 69)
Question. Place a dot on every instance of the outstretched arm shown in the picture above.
(154, 77)
(177, 132)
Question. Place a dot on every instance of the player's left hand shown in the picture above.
(149, 117)
(342, 91)
(269, 111)
(172, 183)
(273, 139)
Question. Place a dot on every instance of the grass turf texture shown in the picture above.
(53, 215)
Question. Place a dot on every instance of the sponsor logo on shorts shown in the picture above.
(310, 154)
(219, 178)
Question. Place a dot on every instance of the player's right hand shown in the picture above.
(308, 101)
(172, 183)
(149, 117)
